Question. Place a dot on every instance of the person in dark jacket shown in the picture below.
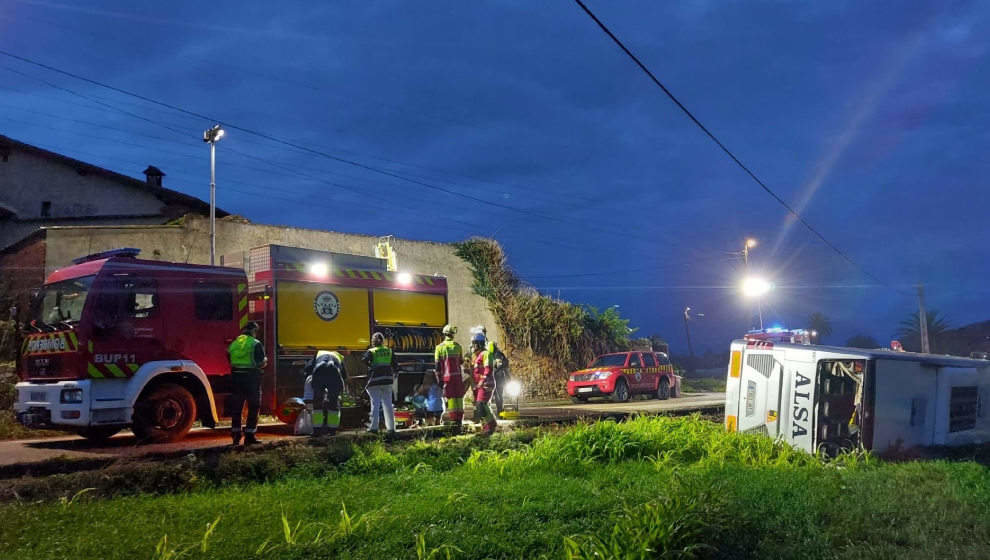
(381, 372)
(325, 375)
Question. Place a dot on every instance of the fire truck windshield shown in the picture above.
(62, 301)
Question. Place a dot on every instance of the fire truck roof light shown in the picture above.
(404, 278)
(129, 252)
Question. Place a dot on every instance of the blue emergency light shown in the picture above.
(128, 252)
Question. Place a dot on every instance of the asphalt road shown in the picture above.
(125, 444)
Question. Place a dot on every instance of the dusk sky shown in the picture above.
(872, 119)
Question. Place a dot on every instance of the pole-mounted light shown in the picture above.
(211, 136)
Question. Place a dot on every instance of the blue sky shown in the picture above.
(871, 118)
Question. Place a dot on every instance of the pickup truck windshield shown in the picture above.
(610, 360)
(63, 301)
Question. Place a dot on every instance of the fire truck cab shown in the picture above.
(116, 341)
(120, 341)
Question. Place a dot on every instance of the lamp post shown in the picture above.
(747, 245)
(211, 136)
(687, 327)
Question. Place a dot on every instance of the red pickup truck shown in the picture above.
(624, 374)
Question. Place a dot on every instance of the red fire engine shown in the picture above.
(117, 341)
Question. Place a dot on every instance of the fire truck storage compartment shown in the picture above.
(301, 326)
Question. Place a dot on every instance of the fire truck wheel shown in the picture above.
(164, 415)
(579, 400)
(663, 390)
(98, 433)
(621, 392)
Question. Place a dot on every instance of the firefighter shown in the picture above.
(247, 357)
(448, 365)
(501, 365)
(484, 383)
(381, 372)
(324, 383)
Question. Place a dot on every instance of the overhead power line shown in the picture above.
(622, 233)
(719, 143)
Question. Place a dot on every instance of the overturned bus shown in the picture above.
(830, 399)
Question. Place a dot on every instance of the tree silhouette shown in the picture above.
(862, 341)
(821, 324)
(909, 331)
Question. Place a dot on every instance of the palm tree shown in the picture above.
(820, 324)
(909, 331)
(863, 341)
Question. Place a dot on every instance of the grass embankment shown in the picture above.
(647, 488)
(703, 384)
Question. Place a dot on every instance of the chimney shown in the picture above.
(154, 176)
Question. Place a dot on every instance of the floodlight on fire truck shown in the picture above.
(319, 269)
(404, 278)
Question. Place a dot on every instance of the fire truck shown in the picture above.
(117, 341)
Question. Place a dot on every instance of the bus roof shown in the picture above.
(940, 360)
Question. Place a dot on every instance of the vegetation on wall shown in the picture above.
(545, 337)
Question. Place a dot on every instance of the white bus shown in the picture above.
(831, 399)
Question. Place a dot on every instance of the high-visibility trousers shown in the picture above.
(453, 391)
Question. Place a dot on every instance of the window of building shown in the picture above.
(46, 209)
(214, 301)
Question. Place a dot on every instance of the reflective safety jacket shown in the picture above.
(448, 359)
(381, 365)
(484, 369)
(244, 352)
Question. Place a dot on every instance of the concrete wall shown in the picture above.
(28, 179)
(189, 242)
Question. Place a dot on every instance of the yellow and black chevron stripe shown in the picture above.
(50, 343)
(659, 369)
(358, 274)
(102, 371)
(242, 305)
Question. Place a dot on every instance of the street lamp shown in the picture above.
(756, 287)
(211, 136)
(687, 328)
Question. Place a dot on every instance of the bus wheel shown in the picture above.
(621, 392)
(98, 434)
(164, 415)
(663, 390)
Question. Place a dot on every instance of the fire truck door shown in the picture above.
(129, 328)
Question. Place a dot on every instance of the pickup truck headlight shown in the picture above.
(72, 396)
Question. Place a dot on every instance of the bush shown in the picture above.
(9, 338)
(561, 336)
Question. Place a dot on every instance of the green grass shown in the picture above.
(646, 488)
(703, 384)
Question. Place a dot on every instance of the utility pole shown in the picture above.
(687, 329)
(923, 321)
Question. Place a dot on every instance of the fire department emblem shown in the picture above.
(326, 305)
